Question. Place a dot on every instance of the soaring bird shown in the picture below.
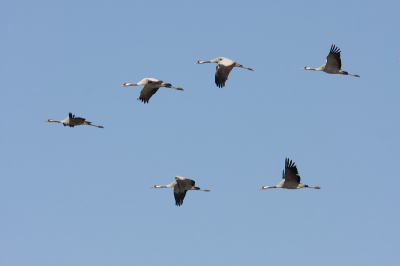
(224, 67)
(181, 185)
(290, 178)
(333, 63)
(72, 121)
(151, 86)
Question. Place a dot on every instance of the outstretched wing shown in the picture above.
(74, 119)
(222, 73)
(179, 196)
(80, 118)
(179, 192)
(189, 183)
(146, 93)
(291, 173)
(333, 58)
(183, 185)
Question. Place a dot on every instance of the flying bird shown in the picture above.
(290, 178)
(224, 67)
(72, 121)
(181, 185)
(333, 63)
(151, 86)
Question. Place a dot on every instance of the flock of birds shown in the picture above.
(290, 176)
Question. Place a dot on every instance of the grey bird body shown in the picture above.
(333, 63)
(290, 178)
(181, 185)
(151, 86)
(224, 67)
(72, 121)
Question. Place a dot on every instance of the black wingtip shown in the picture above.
(289, 163)
(335, 49)
(143, 100)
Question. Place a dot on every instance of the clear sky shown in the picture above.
(81, 196)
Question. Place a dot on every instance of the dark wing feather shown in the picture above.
(291, 173)
(73, 117)
(159, 82)
(179, 195)
(81, 118)
(180, 189)
(222, 73)
(333, 57)
(146, 93)
(190, 182)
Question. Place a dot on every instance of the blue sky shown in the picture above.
(81, 196)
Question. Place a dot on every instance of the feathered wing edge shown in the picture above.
(291, 170)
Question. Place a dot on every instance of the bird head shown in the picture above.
(264, 187)
(124, 85)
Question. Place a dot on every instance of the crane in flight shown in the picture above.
(151, 86)
(290, 178)
(181, 185)
(72, 121)
(224, 67)
(333, 63)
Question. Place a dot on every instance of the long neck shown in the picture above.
(128, 84)
(170, 185)
(51, 120)
(309, 68)
(266, 187)
(202, 62)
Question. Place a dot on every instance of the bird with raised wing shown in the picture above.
(290, 178)
(333, 63)
(72, 121)
(224, 67)
(151, 86)
(181, 185)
